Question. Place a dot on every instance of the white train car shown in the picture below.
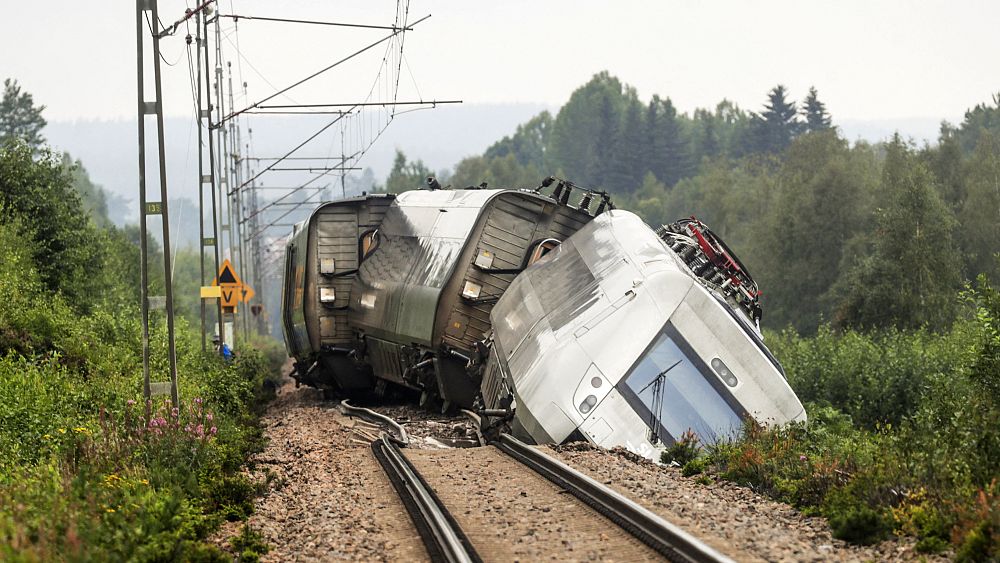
(624, 336)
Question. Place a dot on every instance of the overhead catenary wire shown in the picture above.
(360, 104)
(360, 124)
(289, 194)
(291, 152)
(319, 72)
(269, 225)
(237, 17)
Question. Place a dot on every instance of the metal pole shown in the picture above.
(201, 181)
(237, 197)
(217, 238)
(225, 209)
(153, 208)
(168, 282)
(143, 251)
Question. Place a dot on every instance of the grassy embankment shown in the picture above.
(88, 471)
(903, 437)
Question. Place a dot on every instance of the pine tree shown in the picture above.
(19, 117)
(778, 124)
(604, 145)
(580, 127)
(625, 169)
(814, 111)
(652, 144)
(945, 161)
(406, 175)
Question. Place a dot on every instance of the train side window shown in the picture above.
(368, 244)
(542, 248)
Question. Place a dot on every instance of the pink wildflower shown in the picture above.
(802, 457)
(212, 431)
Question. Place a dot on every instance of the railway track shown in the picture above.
(663, 537)
(523, 492)
(442, 536)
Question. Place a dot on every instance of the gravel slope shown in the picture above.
(730, 518)
(328, 498)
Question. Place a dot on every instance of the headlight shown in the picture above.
(724, 372)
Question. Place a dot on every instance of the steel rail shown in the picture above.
(371, 416)
(441, 534)
(662, 536)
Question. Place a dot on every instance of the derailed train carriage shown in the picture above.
(554, 319)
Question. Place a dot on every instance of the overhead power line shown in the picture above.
(237, 17)
(319, 72)
(361, 104)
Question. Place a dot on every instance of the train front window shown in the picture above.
(672, 395)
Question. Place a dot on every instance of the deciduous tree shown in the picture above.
(911, 274)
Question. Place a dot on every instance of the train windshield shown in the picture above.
(672, 393)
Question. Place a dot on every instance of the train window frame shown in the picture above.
(670, 333)
(288, 298)
(541, 248)
(368, 243)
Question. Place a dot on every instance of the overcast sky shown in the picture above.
(869, 60)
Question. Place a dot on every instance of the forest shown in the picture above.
(854, 234)
(875, 261)
(89, 471)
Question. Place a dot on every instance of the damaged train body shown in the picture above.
(551, 319)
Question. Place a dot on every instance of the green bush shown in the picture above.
(902, 435)
(249, 545)
(683, 450)
(858, 524)
(695, 467)
(88, 471)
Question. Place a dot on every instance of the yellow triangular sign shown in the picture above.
(227, 275)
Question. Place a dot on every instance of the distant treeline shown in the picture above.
(863, 235)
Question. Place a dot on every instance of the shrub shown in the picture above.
(695, 467)
(683, 450)
(902, 434)
(249, 545)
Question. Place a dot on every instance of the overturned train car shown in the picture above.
(398, 289)
(628, 337)
(553, 319)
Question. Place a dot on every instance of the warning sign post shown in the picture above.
(229, 289)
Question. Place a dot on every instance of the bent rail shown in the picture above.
(376, 418)
(665, 538)
(441, 534)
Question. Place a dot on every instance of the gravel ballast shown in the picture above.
(732, 519)
(512, 514)
(328, 498)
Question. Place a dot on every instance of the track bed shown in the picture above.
(512, 514)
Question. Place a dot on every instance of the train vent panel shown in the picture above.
(337, 253)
